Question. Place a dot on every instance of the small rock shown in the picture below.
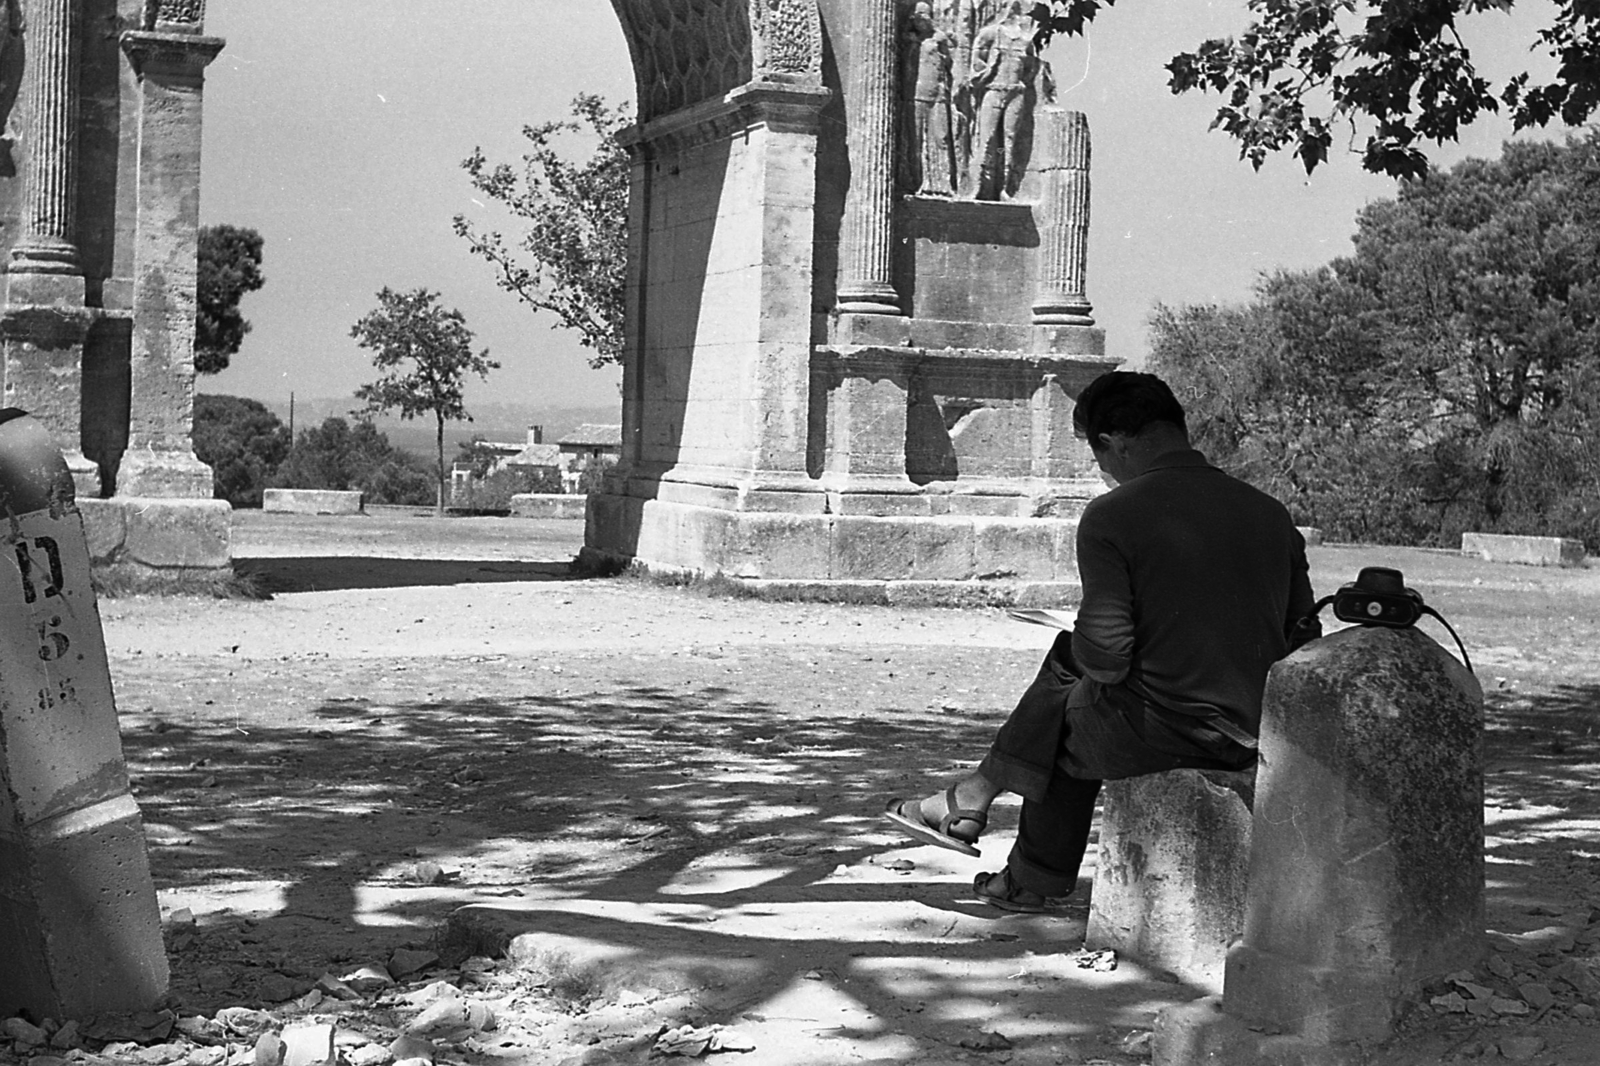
(311, 999)
(369, 978)
(1453, 1003)
(182, 918)
(1557, 939)
(452, 1016)
(1536, 995)
(1584, 1011)
(986, 1041)
(206, 1056)
(1499, 966)
(1579, 976)
(139, 1027)
(369, 1055)
(245, 1022)
(424, 873)
(1521, 1048)
(1138, 1043)
(269, 1050)
(160, 1054)
(1475, 991)
(308, 1045)
(432, 992)
(331, 986)
(409, 1046)
(407, 961)
(1507, 1006)
(479, 964)
(24, 1032)
(66, 1037)
(200, 1029)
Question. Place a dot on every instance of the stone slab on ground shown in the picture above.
(548, 505)
(1530, 551)
(159, 534)
(311, 501)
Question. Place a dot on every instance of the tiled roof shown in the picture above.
(537, 455)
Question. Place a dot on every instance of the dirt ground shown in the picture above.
(677, 797)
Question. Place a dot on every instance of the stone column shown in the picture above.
(1064, 236)
(866, 281)
(44, 324)
(170, 62)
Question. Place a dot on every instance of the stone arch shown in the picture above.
(686, 52)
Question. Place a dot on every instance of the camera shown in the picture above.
(1378, 597)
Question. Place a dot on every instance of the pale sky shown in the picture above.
(337, 130)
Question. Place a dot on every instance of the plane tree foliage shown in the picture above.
(1443, 377)
(570, 257)
(1390, 74)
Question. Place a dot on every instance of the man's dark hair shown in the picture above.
(1124, 402)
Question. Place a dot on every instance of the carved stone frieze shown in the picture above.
(689, 51)
(174, 15)
(786, 38)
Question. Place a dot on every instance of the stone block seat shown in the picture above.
(1173, 869)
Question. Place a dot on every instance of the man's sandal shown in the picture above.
(944, 834)
(999, 890)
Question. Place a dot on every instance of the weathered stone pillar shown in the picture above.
(170, 62)
(866, 283)
(1064, 235)
(1172, 869)
(1366, 855)
(43, 327)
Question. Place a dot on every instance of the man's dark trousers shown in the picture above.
(1054, 751)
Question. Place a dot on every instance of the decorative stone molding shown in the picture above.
(173, 56)
(174, 16)
(783, 107)
(786, 39)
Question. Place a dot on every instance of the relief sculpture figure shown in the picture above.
(1007, 79)
(927, 148)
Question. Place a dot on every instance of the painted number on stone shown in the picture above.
(26, 564)
(53, 644)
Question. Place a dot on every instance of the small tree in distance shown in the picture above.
(425, 352)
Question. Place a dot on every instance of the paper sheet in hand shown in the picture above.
(1039, 616)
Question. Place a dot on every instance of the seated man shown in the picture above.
(1193, 586)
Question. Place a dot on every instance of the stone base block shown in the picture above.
(311, 501)
(1200, 1034)
(79, 917)
(850, 328)
(1173, 871)
(1312, 535)
(549, 505)
(160, 534)
(1530, 551)
(959, 556)
(163, 473)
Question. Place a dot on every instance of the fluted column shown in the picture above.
(866, 282)
(48, 242)
(1064, 234)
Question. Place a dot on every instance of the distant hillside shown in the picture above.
(491, 421)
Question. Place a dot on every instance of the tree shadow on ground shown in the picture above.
(274, 574)
(655, 803)
(1542, 758)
